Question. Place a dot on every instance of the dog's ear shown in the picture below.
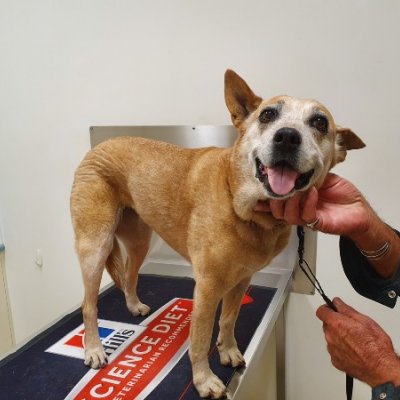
(239, 98)
(346, 139)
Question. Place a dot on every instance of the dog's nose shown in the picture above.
(287, 139)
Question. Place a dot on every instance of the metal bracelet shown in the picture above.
(376, 254)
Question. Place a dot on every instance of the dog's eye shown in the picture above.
(320, 123)
(268, 115)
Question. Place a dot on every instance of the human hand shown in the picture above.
(338, 206)
(358, 345)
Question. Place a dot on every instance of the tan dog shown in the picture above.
(201, 202)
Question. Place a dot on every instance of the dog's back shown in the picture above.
(160, 181)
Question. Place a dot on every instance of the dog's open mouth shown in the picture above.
(281, 179)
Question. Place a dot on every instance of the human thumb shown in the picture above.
(344, 308)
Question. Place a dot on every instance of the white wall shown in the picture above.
(67, 65)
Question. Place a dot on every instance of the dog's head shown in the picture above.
(288, 144)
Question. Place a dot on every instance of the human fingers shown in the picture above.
(277, 208)
(347, 310)
(330, 321)
(309, 209)
(330, 180)
(292, 210)
(328, 316)
(262, 206)
(325, 314)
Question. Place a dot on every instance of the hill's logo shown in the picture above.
(141, 355)
(112, 334)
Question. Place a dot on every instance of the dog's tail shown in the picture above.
(115, 265)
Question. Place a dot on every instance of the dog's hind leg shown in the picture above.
(92, 266)
(94, 209)
(227, 346)
(135, 235)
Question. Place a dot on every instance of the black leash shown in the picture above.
(314, 281)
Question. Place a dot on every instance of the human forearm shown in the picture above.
(374, 238)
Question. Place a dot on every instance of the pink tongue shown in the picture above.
(282, 179)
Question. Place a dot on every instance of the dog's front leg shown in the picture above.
(227, 346)
(206, 299)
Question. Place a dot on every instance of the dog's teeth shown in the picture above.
(260, 170)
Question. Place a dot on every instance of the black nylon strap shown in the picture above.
(314, 281)
(349, 387)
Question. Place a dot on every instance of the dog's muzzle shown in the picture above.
(282, 177)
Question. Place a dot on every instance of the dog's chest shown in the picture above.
(255, 247)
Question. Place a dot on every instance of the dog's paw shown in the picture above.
(231, 356)
(210, 386)
(95, 358)
(138, 308)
